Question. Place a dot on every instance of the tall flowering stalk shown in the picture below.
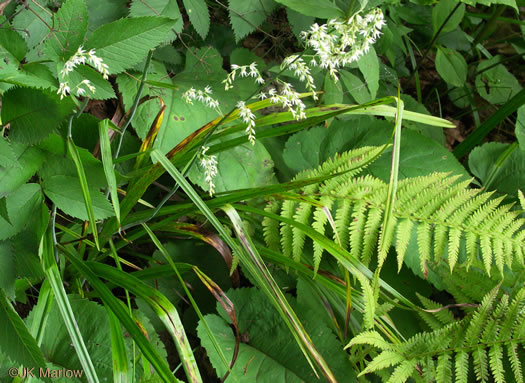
(209, 163)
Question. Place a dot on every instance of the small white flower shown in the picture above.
(243, 71)
(81, 57)
(248, 118)
(302, 71)
(289, 99)
(209, 163)
(202, 96)
(63, 90)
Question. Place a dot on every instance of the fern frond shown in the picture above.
(492, 331)
(449, 218)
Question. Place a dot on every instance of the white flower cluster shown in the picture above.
(203, 96)
(81, 57)
(301, 70)
(64, 89)
(248, 118)
(340, 43)
(289, 99)
(209, 163)
(243, 71)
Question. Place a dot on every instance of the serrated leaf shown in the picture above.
(103, 89)
(29, 161)
(31, 22)
(33, 113)
(451, 66)
(21, 206)
(324, 9)
(125, 42)
(70, 27)
(7, 265)
(17, 342)
(66, 193)
(7, 156)
(164, 8)
(13, 48)
(197, 11)
(247, 15)
(495, 83)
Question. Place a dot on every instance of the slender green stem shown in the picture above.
(135, 103)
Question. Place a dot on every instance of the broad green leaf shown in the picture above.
(3, 210)
(33, 114)
(242, 167)
(276, 354)
(509, 178)
(333, 92)
(13, 48)
(70, 24)
(247, 15)
(298, 21)
(355, 86)
(103, 88)
(510, 3)
(496, 85)
(451, 66)
(104, 12)
(17, 342)
(92, 321)
(125, 42)
(419, 155)
(164, 8)
(324, 9)
(8, 267)
(31, 23)
(7, 155)
(442, 10)
(21, 206)
(47, 255)
(66, 193)
(197, 11)
(369, 67)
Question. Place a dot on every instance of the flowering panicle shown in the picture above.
(203, 96)
(243, 71)
(289, 99)
(83, 57)
(301, 70)
(249, 119)
(209, 163)
(340, 43)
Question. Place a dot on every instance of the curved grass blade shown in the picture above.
(73, 152)
(121, 312)
(121, 372)
(166, 255)
(47, 255)
(255, 267)
(109, 167)
(385, 238)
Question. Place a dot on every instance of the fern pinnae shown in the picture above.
(286, 233)
(424, 244)
(444, 368)
(454, 241)
(271, 227)
(443, 316)
(404, 232)
(480, 364)
(461, 366)
(342, 222)
(515, 364)
(356, 229)
(302, 215)
(403, 372)
(373, 223)
(319, 222)
(369, 300)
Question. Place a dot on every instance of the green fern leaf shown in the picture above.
(444, 369)
(383, 360)
(369, 301)
(372, 338)
(403, 372)
(461, 366)
(404, 232)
